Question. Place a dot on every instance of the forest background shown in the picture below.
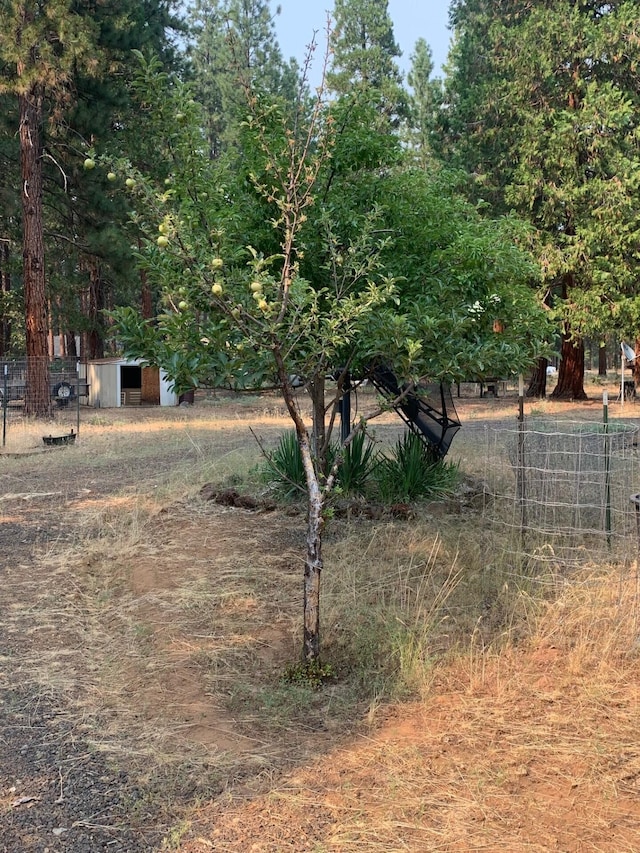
(535, 119)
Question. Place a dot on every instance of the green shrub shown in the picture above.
(357, 466)
(413, 472)
(284, 470)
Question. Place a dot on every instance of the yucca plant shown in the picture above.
(285, 473)
(413, 472)
(284, 470)
(357, 465)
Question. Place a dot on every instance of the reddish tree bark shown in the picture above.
(635, 370)
(5, 287)
(71, 348)
(146, 301)
(37, 399)
(538, 382)
(93, 307)
(571, 372)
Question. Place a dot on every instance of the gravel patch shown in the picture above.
(56, 794)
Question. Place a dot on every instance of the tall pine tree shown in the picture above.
(66, 66)
(541, 108)
(364, 56)
(41, 44)
(233, 41)
(425, 96)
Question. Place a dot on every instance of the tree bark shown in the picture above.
(538, 382)
(317, 392)
(71, 348)
(51, 346)
(94, 305)
(313, 560)
(37, 399)
(602, 360)
(571, 373)
(146, 302)
(5, 288)
(315, 522)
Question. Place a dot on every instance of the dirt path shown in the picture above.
(92, 563)
(57, 793)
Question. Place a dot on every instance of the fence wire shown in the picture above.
(41, 385)
(563, 489)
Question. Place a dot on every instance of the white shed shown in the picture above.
(124, 382)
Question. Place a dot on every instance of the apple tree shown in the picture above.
(312, 252)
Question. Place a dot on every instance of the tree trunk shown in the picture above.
(146, 302)
(5, 289)
(71, 348)
(94, 308)
(51, 345)
(602, 360)
(538, 382)
(315, 520)
(313, 558)
(571, 372)
(314, 460)
(37, 399)
(316, 390)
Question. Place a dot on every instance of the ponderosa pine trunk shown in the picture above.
(70, 345)
(5, 288)
(93, 307)
(37, 398)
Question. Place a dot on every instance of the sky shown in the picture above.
(412, 19)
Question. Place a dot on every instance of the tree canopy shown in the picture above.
(364, 54)
(541, 108)
(65, 71)
(320, 252)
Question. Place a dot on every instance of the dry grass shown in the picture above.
(164, 625)
(534, 750)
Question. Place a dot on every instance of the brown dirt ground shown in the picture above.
(524, 751)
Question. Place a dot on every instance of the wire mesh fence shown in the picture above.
(563, 489)
(47, 389)
(57, 381)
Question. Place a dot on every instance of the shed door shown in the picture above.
(130, 385)
(151, 386)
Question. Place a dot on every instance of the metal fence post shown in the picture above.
(78, 398)
(520, 471)
(607, 466)
(4, 406)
